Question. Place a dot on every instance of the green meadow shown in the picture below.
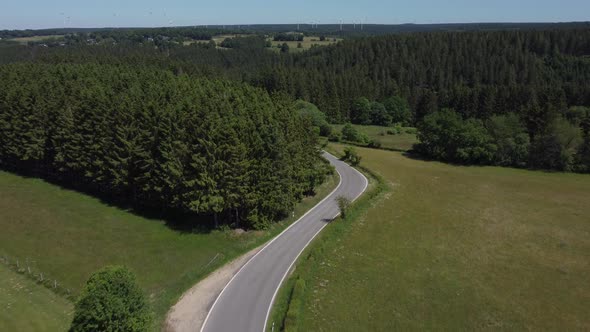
(451, 248)
(67, 235)
(27, 306)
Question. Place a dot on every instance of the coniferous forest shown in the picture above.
(209, 130)
(157, 141)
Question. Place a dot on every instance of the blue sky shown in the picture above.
(109, 13)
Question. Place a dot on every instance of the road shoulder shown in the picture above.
(189, 313)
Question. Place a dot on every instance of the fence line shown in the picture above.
(211, 261)
(38, 277)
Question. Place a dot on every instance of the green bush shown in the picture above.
(112, 301)
(349, 133)
(556, 148)
(511, 138)
(411, 130)
(396, 129)
(325, 130)
(317, 117)
(351, 156)
(343, 205)
(444, 135)
(374, 143)
(398, 109)
(334, 137)
(363, 138)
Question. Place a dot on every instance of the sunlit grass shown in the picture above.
(67, 236)
(456, 248)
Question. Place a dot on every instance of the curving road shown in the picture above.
(244, 304)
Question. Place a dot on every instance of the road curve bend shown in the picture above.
(245, 302)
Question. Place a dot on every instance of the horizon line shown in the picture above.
(303, 23)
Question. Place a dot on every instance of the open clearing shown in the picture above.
(26, 306)
(25, 40)
(454, 248)
(306, 44)
(397, 142)
(68, 235)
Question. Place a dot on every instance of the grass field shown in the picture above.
(306, 44)
(26, 306)
(25, 40)
(68, 235)
(217, 39)
(454, 248)
(399, 142)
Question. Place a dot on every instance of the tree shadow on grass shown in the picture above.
(189, 223)
(414, 155)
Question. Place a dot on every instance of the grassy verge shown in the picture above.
(453, 248)
(27, 306)
(288, 307)
(67, 235)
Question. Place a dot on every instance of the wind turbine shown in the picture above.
(151, 15)
(340, 24)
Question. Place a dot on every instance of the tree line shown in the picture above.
(561, 143)
(159, 141)
(536, 74)
(288, 37)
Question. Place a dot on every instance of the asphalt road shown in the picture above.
(245, 302)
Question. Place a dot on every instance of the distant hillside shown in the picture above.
(348, 29)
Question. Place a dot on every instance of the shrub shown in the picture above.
(376, 144)
(343, 204)
(349, 133)
(317, 117)
(111, 301)
(360, 113)
(396, 129)
(334, 137)
(511, 139)
(362, 138)
(325, 130)
(444, 135)
(411, 130)
(351, 156)
(398, 109)
(556, 148)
